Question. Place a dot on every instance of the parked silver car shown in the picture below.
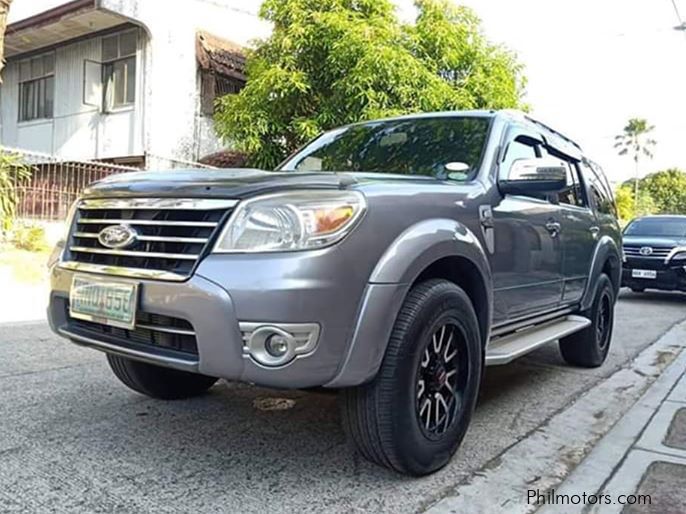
(392, 260)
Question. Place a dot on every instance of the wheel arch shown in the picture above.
(437, 248)
(464, 273)
(606, 259)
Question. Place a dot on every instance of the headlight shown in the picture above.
(301, 220)
(681, 256)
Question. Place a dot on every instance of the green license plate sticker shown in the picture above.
(103, 301)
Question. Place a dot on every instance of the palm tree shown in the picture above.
(634, 138)
(4, 9)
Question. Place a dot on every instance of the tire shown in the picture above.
(386, 419)
(158, 382)
(588, 348)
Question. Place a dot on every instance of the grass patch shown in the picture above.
(25, 267)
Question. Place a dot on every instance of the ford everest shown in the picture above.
(391, 260)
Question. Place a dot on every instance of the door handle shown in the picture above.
(553, 227)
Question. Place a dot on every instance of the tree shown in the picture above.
(634, 140)
(628, 207)
(332, 62)
(4, 10)
(448, 39)
(13, 176)
(668, 190)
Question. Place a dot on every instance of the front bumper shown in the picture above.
(669, 277)
(227, 292)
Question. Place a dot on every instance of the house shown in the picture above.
(126, 81)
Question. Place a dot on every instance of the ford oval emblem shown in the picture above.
(646, 250)
(117, 237)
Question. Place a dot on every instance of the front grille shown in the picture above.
(153, 332)
(644, 263)
(172, 234)
(658, 252)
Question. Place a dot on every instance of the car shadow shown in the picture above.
(657, 296)
(237, 434)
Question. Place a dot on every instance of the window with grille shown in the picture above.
(37, 87)
(119, 69)
(214, 85)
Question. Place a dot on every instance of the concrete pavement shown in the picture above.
(72, 439)
(640, 465)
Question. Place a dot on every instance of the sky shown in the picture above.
(591, 65)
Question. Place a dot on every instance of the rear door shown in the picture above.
(578, 234)
(527, 261)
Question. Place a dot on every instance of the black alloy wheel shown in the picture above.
(441, 381)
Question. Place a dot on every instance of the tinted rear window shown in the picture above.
(445, 147)
(657, 227)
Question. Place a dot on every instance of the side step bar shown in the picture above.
(503, 350)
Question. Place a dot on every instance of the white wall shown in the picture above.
(173, 125)
(166, 119)
(76, 130)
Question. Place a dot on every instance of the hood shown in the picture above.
(232, 183)
(225, 183)
(670, 242)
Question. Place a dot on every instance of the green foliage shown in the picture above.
(668, 190)
(29, 237)
(448, 39)
(333, 62)
(663, 192)
(13, 174)
(628, 208)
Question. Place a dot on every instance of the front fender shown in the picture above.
(411, 253)
(423, 244)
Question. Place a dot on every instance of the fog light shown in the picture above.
(276, 345)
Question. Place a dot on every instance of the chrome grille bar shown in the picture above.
(120, 271)
(152, 239)
(166, 330)
(657, 253)
(93, 221)
(127, 253)
(192, 204)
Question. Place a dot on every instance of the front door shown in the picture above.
(527, 261)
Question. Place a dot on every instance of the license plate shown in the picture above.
(103, 301)
(644, 273)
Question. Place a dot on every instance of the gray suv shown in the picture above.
(392, 260)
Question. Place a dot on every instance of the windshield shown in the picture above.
(657, 227)
(441, 147)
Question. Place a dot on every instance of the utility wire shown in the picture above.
(676, 10)
(239, 10)
(682, 24)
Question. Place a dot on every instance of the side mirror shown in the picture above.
(534, 176)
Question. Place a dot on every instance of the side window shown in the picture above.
(602, 197)
(573, 194)
(37, 87)
(119, 69)
(520, 148)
